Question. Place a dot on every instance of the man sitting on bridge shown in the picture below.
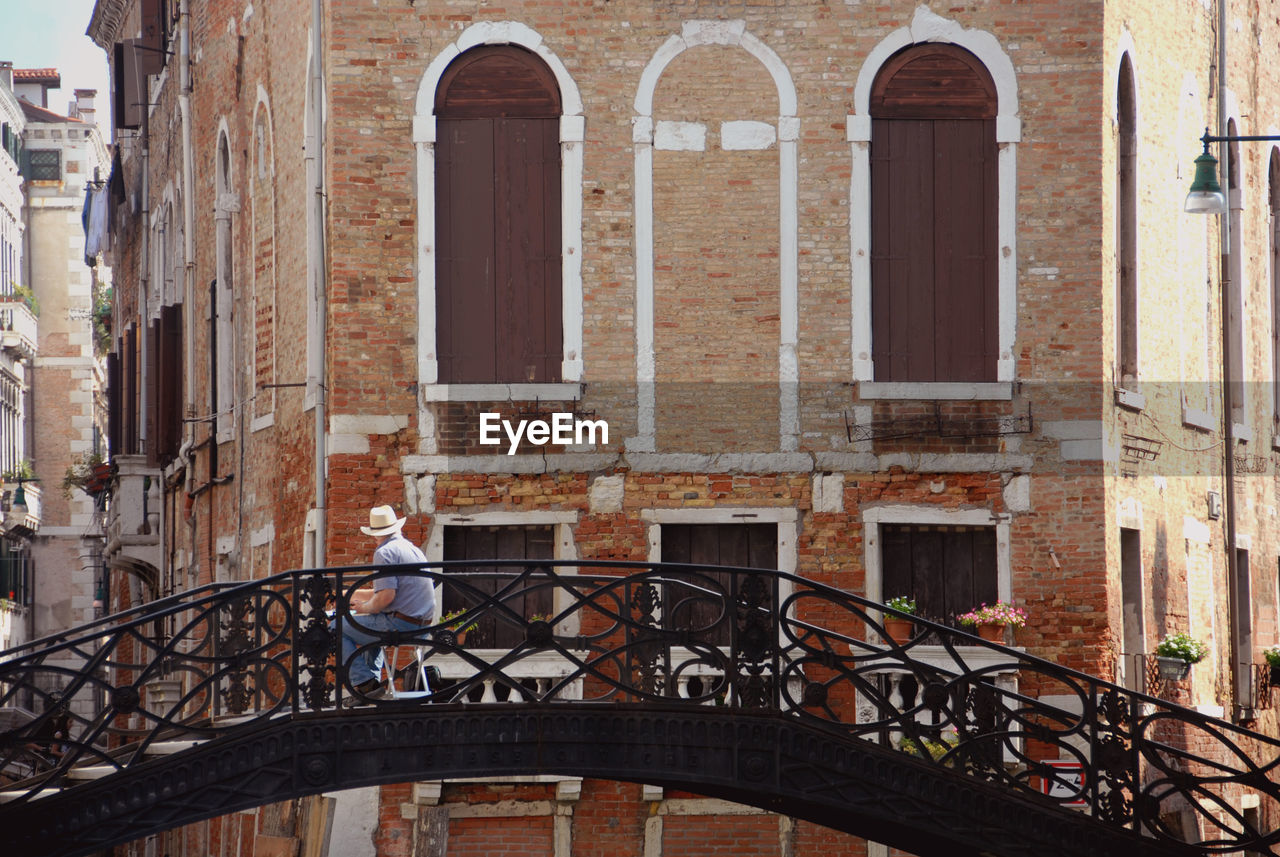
(402, 602)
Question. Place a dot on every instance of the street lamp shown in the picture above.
(1206, 197)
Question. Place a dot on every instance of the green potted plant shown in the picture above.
(90, 474)
(23, 472)
(897, 628)
(1272, 657)
(450, 621)
(1177, 652)
(990, 620)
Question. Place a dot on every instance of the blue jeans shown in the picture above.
(369, 663)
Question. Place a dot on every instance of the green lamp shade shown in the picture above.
(1206, 195)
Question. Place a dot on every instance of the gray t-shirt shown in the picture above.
(415, 596)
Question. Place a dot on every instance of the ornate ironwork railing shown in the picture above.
(186, 669)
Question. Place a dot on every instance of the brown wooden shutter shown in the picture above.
(947, 570)
(466, 300)
(498, 241)
(153, 394)
(486, 543)
(129, 387)
(153, 25)
(169, 384)
(114, 399)
(933, 218)
(739, 545)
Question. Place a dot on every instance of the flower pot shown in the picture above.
(991, 633)
(898, 630)
(1173, 669)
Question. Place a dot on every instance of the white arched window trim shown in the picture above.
(927, 27)
(263, 170)
(572, 135)
(693, 34)
(226, 204)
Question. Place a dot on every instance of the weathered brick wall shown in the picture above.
(1052, 466)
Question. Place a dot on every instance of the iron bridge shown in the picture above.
(747, 684)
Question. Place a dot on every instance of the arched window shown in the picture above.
(1235, 292)
(934, 259)
(222, 351)
(498, 219)
(1127, 226)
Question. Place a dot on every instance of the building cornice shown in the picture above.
(104, 26)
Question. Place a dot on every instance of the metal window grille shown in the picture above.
(44, 164)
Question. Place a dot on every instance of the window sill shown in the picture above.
(936, 390)
(1129, 399)
(566, 391)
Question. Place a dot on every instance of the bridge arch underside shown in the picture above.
(774, 762)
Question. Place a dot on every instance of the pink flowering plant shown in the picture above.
(1000, 613)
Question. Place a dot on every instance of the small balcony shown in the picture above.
(133, 522)
(18, 327)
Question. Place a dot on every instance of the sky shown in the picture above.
(50, 34)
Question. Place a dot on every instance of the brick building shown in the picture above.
(897, 296)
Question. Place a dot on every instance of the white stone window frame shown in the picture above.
(540, 666)
(226, 205)
(925, 27)
(263, 170)
(572, 138)
(787, 522)
(645, 138)
(562, 523)
(977, 657)
(1128, 396)
(926, 515)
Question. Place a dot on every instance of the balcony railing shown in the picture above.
(18, 327)
(185, 669)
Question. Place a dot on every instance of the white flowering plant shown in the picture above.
(1182, 646)
(1000, 613)
(1272, 656)
(902, 604)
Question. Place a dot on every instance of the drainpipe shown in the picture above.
(144, 277)
(316, 372)
(189, 254)
(1240, 668)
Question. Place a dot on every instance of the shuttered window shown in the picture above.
(164, 418)
(129, 392)
(934, 218)
(498, 283)
(486, 543)
(947, 570)
(740, 545)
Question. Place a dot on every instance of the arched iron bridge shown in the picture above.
(747, 684)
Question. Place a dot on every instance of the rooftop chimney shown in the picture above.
(6, 74)
(83, 108)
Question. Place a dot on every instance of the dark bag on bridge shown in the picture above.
(413, 679)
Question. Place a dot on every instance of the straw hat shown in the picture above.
(382, 522)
